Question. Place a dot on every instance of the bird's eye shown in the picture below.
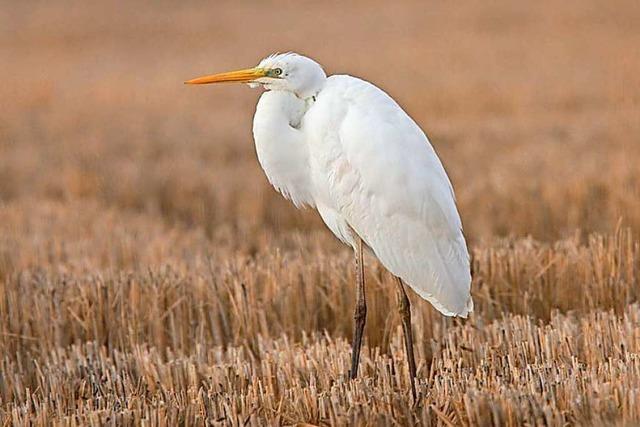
(276, 71)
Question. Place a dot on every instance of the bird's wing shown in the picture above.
(387, 182)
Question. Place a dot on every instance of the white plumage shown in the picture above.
(343, 146)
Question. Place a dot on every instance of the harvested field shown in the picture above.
(150, 275)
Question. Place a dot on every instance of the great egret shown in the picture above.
(343, 146)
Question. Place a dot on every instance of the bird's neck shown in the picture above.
(281, 145)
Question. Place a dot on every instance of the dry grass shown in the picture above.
(148, 273)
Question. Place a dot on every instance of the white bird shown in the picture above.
(343, 146)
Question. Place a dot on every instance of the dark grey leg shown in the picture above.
(360, 313)
(404, 308)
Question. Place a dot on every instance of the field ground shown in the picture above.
(149, 274)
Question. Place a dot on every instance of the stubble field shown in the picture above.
(149, 274)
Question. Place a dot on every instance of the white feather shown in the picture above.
(344, 146)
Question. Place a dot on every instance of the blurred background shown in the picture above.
(534, 110)
(144, 257)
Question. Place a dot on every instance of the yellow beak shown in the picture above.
(240, 76)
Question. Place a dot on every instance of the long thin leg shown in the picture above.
(404, 307)
(360, 313)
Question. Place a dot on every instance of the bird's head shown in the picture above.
(284, 71)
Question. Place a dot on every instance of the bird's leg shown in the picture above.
(404, 307)
(360, 313)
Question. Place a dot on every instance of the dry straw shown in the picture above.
(149, 275)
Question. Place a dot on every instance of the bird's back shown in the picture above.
(374, 171)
